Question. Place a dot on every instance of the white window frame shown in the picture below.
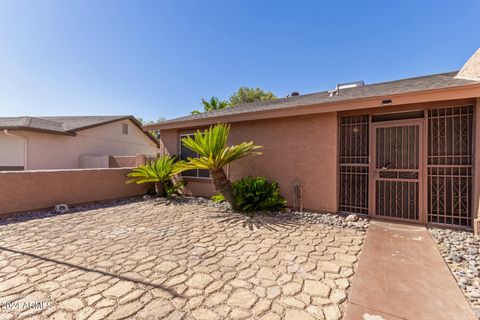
(180, 156)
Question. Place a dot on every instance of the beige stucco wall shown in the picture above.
(299, 149)
(50, 151)
(12, 150)
(26, 190)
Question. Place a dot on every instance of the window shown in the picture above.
(187, 153)
(125, 128)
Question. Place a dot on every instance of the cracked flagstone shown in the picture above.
(144, 260)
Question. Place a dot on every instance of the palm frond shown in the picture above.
(211, 145)
(159, 170)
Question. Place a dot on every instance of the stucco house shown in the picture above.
(402, 150)
(71, 142)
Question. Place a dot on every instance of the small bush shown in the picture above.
(218, 198)
(256, 194)
(174, 188)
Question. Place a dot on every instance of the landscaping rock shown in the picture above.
(335, 220)
(61, 208)
(460, 251)
(351, 218)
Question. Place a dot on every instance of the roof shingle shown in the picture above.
(410, 85)
(64, 125)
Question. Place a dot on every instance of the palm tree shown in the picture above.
(213, 104)
(159, 171)
(214, 154)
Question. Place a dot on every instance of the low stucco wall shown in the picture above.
(30, 190)
(122, 161)
(299, 149)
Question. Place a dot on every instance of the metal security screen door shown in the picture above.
(411, 166)
(353, 164)
(450, 165)
(396, 165)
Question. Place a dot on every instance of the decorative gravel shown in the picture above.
(329, 219)
(19, 217)
(460, 250)
(334, 220)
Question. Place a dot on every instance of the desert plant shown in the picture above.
(214, 154)
(172, 188)
(253, 194)
(159, 171)
(218, 198)
(257, 194)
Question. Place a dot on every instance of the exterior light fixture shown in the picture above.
(387, 102)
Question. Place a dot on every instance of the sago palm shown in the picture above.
(159, 171)
(214, 154)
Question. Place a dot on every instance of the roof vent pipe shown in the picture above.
(293, 94)
(347, 85)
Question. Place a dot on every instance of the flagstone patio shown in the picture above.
(152, 260)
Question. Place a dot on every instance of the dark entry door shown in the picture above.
(396, 169)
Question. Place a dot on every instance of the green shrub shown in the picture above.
(218, 198)
(173, 188)
(256, 194)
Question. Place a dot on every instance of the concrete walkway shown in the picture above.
(401, 275)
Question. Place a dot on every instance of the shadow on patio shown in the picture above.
(262, 221)
(102, 272)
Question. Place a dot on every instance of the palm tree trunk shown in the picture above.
(159, 189)
(224, 186)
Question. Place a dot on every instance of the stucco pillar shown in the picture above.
(140, 160)
(476, 170)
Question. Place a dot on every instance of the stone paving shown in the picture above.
(147, 260)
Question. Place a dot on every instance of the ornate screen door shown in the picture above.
(397, 170)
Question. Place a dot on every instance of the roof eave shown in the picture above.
(22, 128)
(101, 123)
(458, 92)
(139, 125)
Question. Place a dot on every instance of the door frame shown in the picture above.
(422, 169)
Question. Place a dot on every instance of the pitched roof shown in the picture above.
(29, 122)
(410, 85)
(82, 122)
(64, 125)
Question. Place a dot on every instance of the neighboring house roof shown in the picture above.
(65, 125)
(410, 85)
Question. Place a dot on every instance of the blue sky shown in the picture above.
(158, 58)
